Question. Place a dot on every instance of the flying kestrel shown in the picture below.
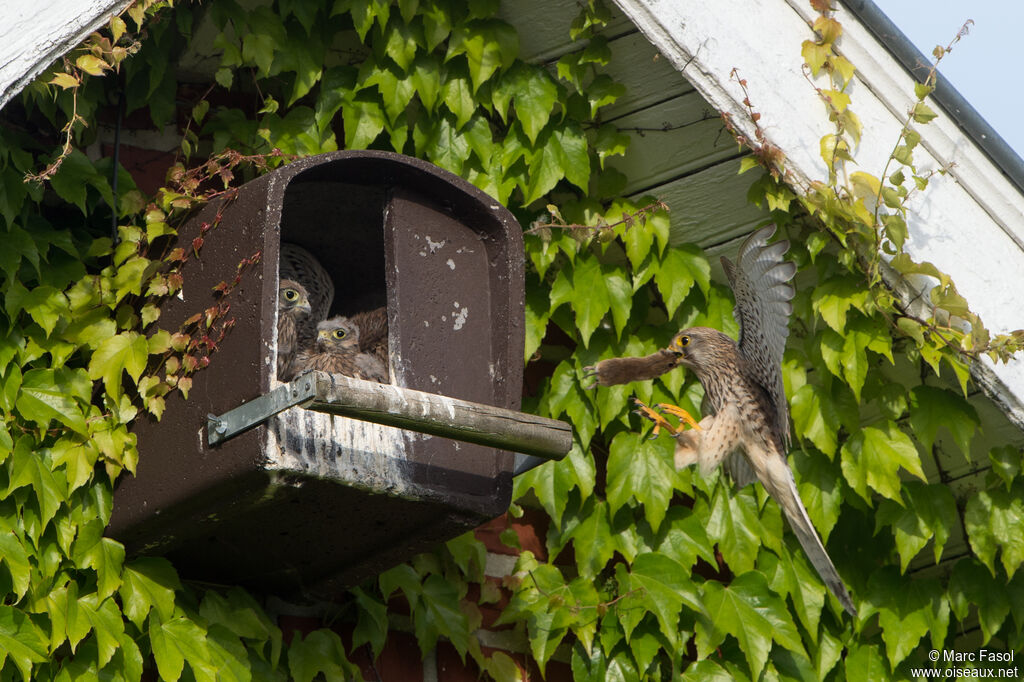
(292, 310)
(748, 426)
(337, 351)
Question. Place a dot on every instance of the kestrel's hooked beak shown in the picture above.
(676, 345)
(304, 306)
(323, 335)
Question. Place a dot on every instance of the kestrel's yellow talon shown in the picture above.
(681, 413)
(659, 422)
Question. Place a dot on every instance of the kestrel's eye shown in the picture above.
(291, 295)
(338, 334)
(684, 341)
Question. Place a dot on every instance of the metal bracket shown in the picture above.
(534, 439)
(255, 412)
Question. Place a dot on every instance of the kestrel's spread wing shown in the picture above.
(373, 332)
(748, 424)
(760, 281)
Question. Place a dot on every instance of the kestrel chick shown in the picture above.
(748, 426)
(336, 350)
(292, 309)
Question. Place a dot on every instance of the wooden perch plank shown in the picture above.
(439, 415)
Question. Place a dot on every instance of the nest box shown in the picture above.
(257, 483)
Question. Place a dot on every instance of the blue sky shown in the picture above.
(984, 65)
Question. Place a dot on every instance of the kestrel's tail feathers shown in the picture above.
(782, 487)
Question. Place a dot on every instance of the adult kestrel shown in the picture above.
(748, 426)
(292, 309)
(336, 350)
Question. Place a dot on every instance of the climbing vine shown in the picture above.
(646, 572)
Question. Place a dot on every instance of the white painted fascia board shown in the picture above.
(34, 34)
(969, 223)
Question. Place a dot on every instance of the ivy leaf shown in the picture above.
(873, 457)
(439, 615)
(833, 299)
(104, 555)
(489, 44)
(534, 93)
(125, 352)
(47, 306)
(749, 611)
(364, 121)
(994, 520)
(928, 513)
(21, 640)
(592, 539)
(33, 468)
(1006, 463)
(971, 584)
(175, 641)
(447, 147)
(426, 79)
(908, 610)
(400, 44)
(818, 484)
(641, 469)
(584, 286)
(815, 418)
(664, 587)
(148, 583)
(372, 624)
(42, 399)
(457, 96)
(552, 482)
(681, 268)
(14, 554)
(865, 663)
(932, 408)
(107, 624)
(734, 524)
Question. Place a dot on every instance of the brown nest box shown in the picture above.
(308, 502)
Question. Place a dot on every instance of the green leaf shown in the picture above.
(641, 469)
(818, 484)
(447, 147)
(928, 513)
(833, 299)
(735, 526)
(106, 556)
(15, 555)
(534, 93)
(592, 538)
(30, 467)
(46, 306)
(439, 615)
(372, 623)
(21, 640)
(749, 611)
(663, 587)
(458, 96)
(583, 285)
(932, 408)
(148, 583)
(908, 610)
(489, 44)
(43, 399)
(400, 44)
(994, 520)
(364, 121)
(176, 641)
(107, 624)
(814, 417)
(680, 268)
(125, 352)
(970, 584)
(551, 482)
(865, 663)
(873, 456)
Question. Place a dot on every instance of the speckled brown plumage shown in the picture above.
(748, 423)
(292, 310)
(336, 350)
(373, 332)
